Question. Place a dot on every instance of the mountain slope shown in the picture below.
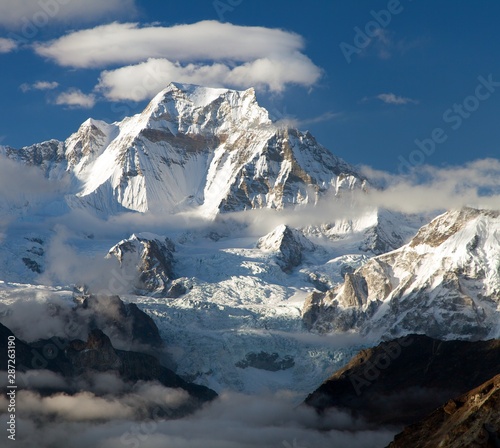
(146, 264)
(74, 358)
(213, 150)
(444, 283)
(401, 381)
(288, 243)
(472, 419)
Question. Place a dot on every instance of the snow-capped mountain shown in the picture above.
(212, 150)
(225, 295)
(49, 156)
(146, 265)
(444, 283)
(288, 244)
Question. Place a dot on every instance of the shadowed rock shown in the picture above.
(471, 420)
(401, 381)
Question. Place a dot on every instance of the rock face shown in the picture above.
(23, 353)
(123, 321)
(213, 150)
(471, 420)
(147, 263)
(98, 354)
(74, 358)
(49, 156)
(289, 245)
(401, 381)
(444, 283)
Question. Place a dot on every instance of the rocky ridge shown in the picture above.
(471, 420)
(192, 148)
(445, 283)
(399, 382)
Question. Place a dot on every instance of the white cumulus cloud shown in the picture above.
(39, 85)
(7, 45)
(76, 98)
(207, 53)
(120, 43)
(144, 80)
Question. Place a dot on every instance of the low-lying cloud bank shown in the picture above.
(428, 190)
(232, 421)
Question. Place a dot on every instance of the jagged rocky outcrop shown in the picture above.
(147, 263)
(445, 283)
(213, 150)
(289, 245)
(49, 156)
(87, 144)
(98, 354)
(471, 420)
(401, 381)
(74, 358)
(124, 322)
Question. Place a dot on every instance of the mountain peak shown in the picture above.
(199, 96)
(444, 283)
(192, 109)
(450, 223)
(288, 243)
(198, 148)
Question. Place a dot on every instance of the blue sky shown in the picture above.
(425, 70)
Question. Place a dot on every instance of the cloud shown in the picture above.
(391, 98)
(121, 43)
(7, 45)
(20, 183)
(425, 190)
(327, 116)
(231, 421)
(207, 53)
(144, 80)
(39, 85)
(75, 98)
(84, 406)
(382, 43)
(290, 121)
(34, 14)
(32, 316)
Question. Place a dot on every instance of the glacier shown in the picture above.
(204, 212)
